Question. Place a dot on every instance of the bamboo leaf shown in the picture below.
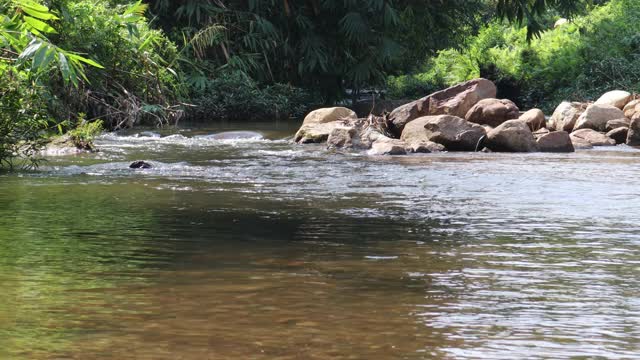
(30, 50)
(76, 57)
(38, 14)
(39, 25)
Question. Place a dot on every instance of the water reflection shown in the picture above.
(265, 250)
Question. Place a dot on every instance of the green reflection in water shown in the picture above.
(61, 247)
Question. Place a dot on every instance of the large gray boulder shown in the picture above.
(454, 133)
(511, 136)
(617, 98)
(633, 137)
(492, 112)
(596, 117)
(456, 101)
(555, 142)
(565, 116)
(592, 137)
(534, 118)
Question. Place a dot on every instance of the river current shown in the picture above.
(263, 249)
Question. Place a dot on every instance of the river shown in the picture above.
(263, 249)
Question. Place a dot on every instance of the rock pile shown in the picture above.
(469, 117)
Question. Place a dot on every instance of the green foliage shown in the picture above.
(235, 96)
(596, 53)
(22, 119)
(323, 46)
(139, 65)
(84, 134)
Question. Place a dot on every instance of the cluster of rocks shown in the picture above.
(468, 117)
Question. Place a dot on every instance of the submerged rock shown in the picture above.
(492, 112)
(454, 133)
(236, 135)
(511, 136)
(140, 164)
(425, 147)
(456, 101)
(555, 142)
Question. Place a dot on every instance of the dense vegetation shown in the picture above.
(76, 64)
(580, 60)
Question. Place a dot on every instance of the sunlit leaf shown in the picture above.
(39, 25)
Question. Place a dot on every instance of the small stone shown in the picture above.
(140, 164)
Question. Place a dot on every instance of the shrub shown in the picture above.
(23, 119)
(235, 96)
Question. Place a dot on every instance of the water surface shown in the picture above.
(263, 249)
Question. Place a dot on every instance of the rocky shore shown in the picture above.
(468, 117)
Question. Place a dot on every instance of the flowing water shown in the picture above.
(263, 249)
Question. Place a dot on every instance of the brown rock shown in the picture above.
(619, 135)
(580, 144)
(556, 142)
(326, 115)
(316, 132)
(540, 132)
(425, 147)
(565, 116)
(617, 123)
(341, 137)
(633, 137)
(456, 134)
(534, 119)
(632, 109)
(395, 147)
(617, 98)
(511, 136)
(596, 117)
(593, 137)
(492, 112)
(456, 101)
